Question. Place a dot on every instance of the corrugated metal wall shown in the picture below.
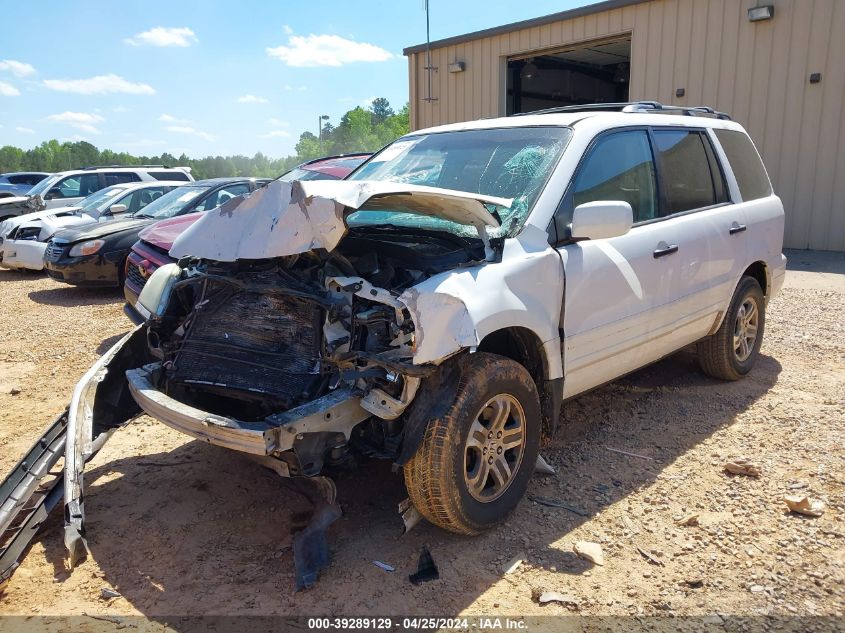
(758, 72)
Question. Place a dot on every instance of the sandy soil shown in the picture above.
(179, 527)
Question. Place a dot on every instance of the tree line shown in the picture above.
(360, 130)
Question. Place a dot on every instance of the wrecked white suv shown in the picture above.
(436, 307)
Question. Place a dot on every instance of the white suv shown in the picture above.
(436, 307)
(66, 188)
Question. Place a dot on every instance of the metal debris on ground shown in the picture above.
(629, 454)
(555, 503)
(688, 520)
(742, 466)
(410, 515)
(544, 597)
(589, 551)
(513, 564)
(543, 467)
(384, 566)
(650, 557)
(107, 593)
(803, 504)
(426, 569)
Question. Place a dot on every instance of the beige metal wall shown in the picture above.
(758, 72)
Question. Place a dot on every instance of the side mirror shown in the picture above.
(601, 219)
(117, 208)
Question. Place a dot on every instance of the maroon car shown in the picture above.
(151, 250)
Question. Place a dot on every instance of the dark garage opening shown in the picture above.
(590, 73)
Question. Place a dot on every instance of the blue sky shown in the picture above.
(212, 77)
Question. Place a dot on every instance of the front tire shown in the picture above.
(475, 461)
(731, 352)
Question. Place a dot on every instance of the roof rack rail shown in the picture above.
(634, 106)
(88, 167)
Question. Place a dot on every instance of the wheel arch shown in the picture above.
(760, 271)
(524, 346)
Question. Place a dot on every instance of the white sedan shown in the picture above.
(23, 239)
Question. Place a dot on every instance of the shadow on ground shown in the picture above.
(202, 531)
(69, 296)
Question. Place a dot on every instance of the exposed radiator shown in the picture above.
(256, 343)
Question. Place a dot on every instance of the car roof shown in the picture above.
(212, 182)
(27, 173)
(146, 184)
(122, 168)
(596, 118)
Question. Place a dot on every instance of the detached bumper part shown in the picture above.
(101, 394)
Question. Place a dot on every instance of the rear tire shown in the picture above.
(474, 462)
(731, 352)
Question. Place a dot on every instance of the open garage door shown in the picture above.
(596, 72)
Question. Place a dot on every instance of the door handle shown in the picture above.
(665, 249)
(736, 228)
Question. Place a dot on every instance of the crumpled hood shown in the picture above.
(33, 219)
(284, 218)
(97, 230)
(162, 234)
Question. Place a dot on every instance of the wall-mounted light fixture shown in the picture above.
(457, 67)
(766, 12)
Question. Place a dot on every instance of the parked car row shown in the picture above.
(91, 241)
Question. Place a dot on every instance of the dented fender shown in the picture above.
(457, 309)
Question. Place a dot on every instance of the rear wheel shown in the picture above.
(475, 461)
(731, 352)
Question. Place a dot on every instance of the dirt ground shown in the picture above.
(178, 527)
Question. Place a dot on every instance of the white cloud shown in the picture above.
(278, 122)
(8, 90)
(120, 109)
(80, 120)
(18, 69)
(290, 88)
(287, 30)
(275, 134)
(164, 36)
(186, 129)
(252, 99)
(101, 84)
(327, 50)
(366, 103)
(171, 119)
(25, 130)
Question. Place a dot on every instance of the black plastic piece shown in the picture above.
(426, 569)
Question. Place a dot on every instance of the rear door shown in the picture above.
(708, 229)
(617, 289)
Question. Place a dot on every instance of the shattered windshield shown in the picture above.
(172, 203)
(505, 162)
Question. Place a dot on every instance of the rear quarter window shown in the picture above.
(170, 175)
(746, 164)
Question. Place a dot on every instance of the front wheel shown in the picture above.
(475, 461)
(731, 352)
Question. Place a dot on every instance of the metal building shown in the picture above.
(775, 65)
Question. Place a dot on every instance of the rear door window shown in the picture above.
(115, 178)
(685, 174)
(746, 164)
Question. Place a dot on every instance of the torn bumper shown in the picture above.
(336, 413)
(100, 404)
(27, 254)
